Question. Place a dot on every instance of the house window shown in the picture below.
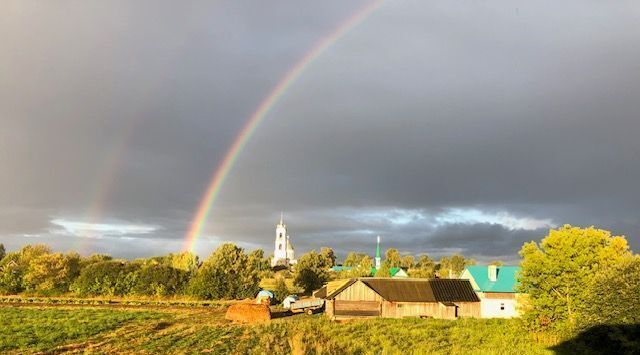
(502, 306)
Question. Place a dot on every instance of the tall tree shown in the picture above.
(407, 262)
(311, 271)
(328, 254)
(445, 268)
(363, 269)
(281, 290)
(393, 257)
(227, 274)
(353, 259)
(613, 296)
(384, 270)
(14, 266)
(555, 272)
(458, 263)
(52, 273)
(424, 261)
(424, 268)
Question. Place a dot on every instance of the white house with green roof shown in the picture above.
(496, 288)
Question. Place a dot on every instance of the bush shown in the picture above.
(613, 297)
(227, 274)
(107, 278)
(160, 280)
(282, 291)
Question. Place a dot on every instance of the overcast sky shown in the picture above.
(443, 126)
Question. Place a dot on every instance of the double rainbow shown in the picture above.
(258, 116)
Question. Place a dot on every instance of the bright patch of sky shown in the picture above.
(505, 219)
(98, 230)
(394, 216)
(467, 216)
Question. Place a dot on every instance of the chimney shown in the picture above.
(493, 273)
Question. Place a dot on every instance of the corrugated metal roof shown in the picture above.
(453, 290)
(506, 278)
(417, 290)
(402, 290)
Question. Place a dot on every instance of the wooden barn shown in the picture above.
(398, 298)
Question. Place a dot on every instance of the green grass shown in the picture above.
(45, 328)
(197, 330)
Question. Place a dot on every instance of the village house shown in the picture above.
(496, 288)
(399, 298)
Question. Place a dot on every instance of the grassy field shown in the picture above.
(102, 329)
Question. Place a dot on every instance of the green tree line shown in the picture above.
(229, 273)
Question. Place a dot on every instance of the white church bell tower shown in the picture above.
(283, 253)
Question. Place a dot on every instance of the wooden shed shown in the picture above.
(398, 298)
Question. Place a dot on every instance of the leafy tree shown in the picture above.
(14, 266)
(407, 262)
(496, 263)
(311, 272)
(353, 259)
(185, 261)
(281, 291)
(384, 270)
(227, 274)
(107, 278)
(329, 255)
(445, 268)
(613, 296)
(555, 273)
(458, 263)
(393, 258)
(11, 274)
(363, 269)
(2, 251)
(424, 268)
(424, 261)
(452, 267)
(258, 261)
(160, 280)
(51, 273)
(94, 258)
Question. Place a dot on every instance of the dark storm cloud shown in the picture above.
(521, 115)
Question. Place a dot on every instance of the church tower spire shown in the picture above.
(283, 252)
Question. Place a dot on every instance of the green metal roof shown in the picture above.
(506, 280)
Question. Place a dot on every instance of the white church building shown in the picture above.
(283, 253)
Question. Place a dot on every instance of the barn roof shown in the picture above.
(416, 290)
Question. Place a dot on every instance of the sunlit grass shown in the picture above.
(185, 330)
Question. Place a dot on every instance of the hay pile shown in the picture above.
(248, 313)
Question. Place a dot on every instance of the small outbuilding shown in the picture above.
(399, 298)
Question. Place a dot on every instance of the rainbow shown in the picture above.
(209, 198)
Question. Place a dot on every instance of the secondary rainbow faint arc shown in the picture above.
(258, 115)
